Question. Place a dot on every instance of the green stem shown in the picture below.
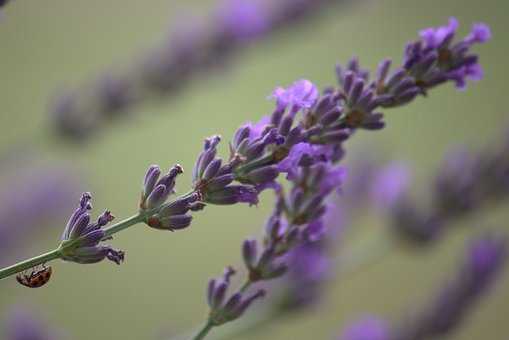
(30, 263)
(55, 254)
(124, 224)
(204, 331)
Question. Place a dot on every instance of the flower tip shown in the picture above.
(453, 23)
(179, 168)
(481, 33)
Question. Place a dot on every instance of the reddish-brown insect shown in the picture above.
(38, 277)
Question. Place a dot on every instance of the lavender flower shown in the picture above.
(223, 310)
(25, 206)
(81, 239)
(167, 68)
(243, 20)
(294, 230)
(300, 95)
(482, 263)
(464, 183)
(212, 180)
(156, 190)
(309, 268)
(22, 325)
(369, 328)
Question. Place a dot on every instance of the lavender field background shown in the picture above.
(159, 290)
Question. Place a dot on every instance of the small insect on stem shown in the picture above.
(37, 277)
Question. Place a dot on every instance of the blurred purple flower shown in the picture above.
(309, 269)
(436, 37)
(243, 19)
(369, 328)
(23, 325)
(31, 199)
(389, 184)
(192, 49)
(482, 264)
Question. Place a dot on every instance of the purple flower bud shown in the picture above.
(211, 169)
(211, 288)
(480, 33)
(79, 225)
(241, 308)
(440, 36)
(249, 253)
(317, 153)
(157, 189)
(483, 262)
(232, 194)
(157, 196)
(232, 304)
(300, 95)
(220, 182)
(81, 239)
(383, 71)
(263, 175)
(218, 295)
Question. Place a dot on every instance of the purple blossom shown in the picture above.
(302, 94)
(243, 19)
(192, 49)
(256, 129)
(311, 153)
(223, 309)
(482, 263)
(309, 268)
(22, 325)
(25, 206)
(389, 185)
(480, 33)
(452, 60)
(437, 37)
(157, 188)
(81, 238)
(213, 180)
(369, 328)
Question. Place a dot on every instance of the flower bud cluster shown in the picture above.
(224, 309)
(465, 181)
(81, 238)
(482, 263)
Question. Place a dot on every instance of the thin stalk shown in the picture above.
(204, 331)
(124, 224)
(30, 263)
(55, 254)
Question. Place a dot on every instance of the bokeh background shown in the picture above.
(159, 290)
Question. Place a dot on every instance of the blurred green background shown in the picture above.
(49, 44)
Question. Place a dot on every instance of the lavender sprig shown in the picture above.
(302, 138)
(482, 264)
(327, 121)
(191, 50)
(465, 182)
